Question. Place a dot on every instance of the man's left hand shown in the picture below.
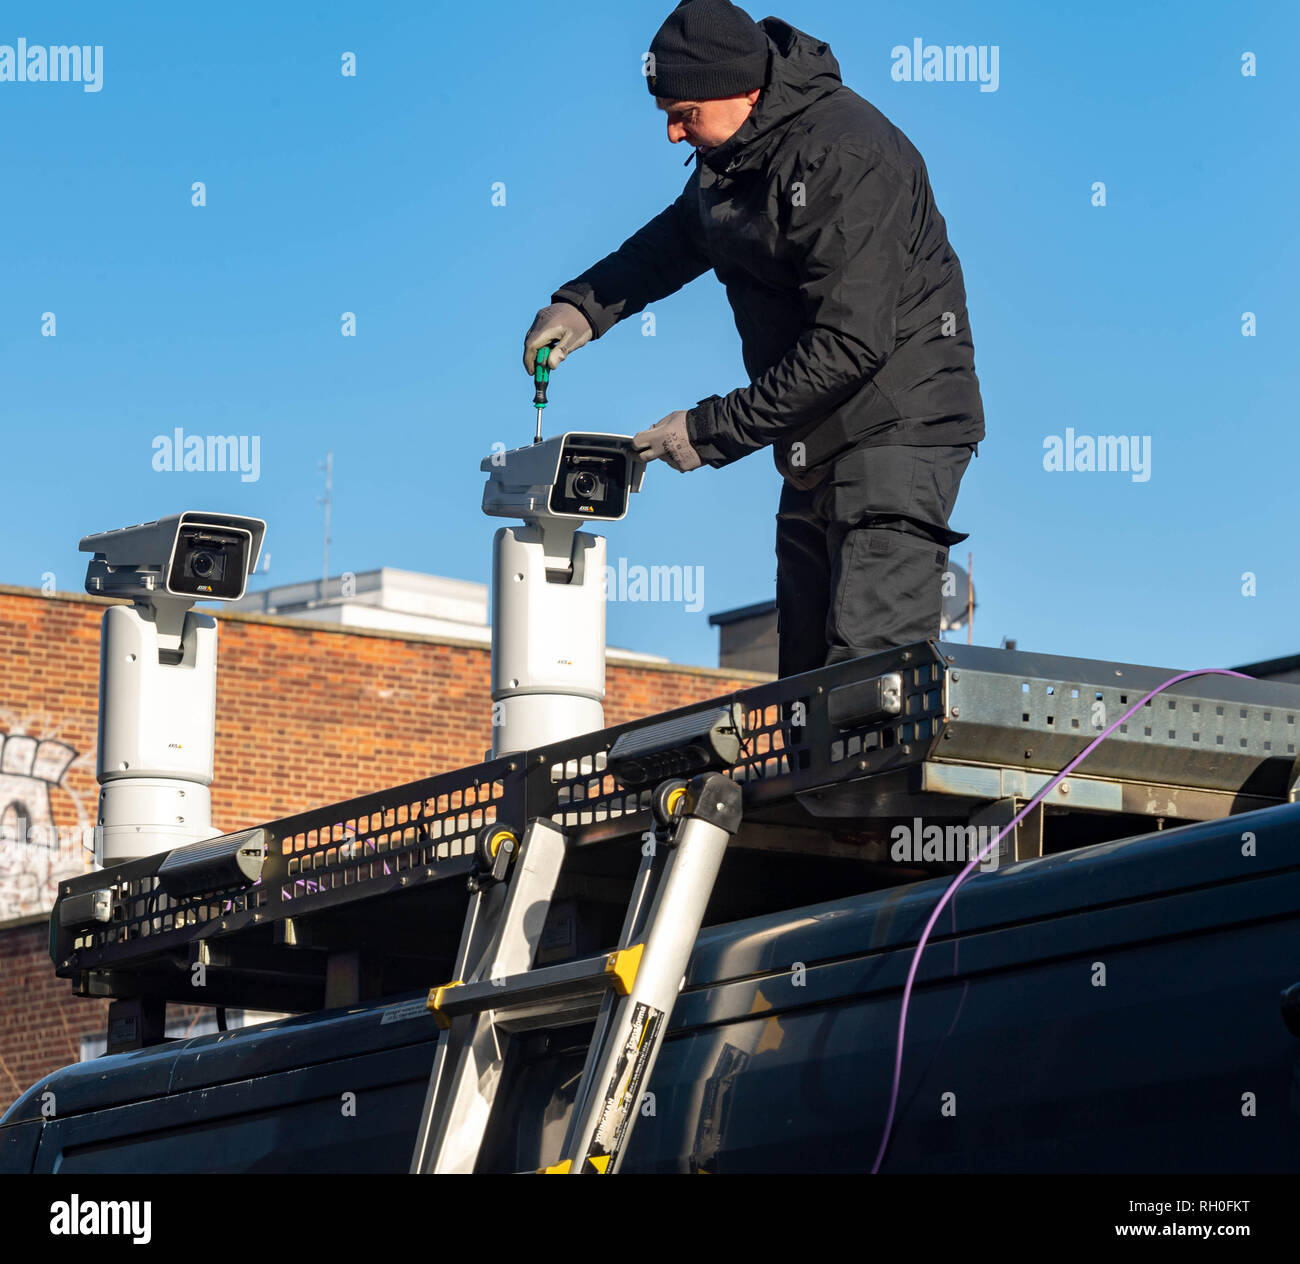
(668, 440)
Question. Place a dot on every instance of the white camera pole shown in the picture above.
(158, 675)
(157, 727)
(548, 583)
(548, 634)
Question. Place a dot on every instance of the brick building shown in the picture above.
(308, 713)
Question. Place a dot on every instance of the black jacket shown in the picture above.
(817, 216)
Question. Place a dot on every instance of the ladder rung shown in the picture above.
(539, 994)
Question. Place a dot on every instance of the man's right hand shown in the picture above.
(561, 324)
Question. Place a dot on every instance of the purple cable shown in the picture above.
(970, 868)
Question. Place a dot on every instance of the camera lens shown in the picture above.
(585, 484)
(203, 564)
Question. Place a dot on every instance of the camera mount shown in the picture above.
(158, 674)
(548, 583)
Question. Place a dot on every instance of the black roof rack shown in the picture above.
(366, 897)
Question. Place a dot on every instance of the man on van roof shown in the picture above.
(816, 214)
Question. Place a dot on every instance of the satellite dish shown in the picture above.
(958, 599)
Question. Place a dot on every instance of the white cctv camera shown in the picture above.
(574, 475)
(192, 556)
(158, 674)
(548, 583)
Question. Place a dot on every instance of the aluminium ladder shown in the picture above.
(497, 992)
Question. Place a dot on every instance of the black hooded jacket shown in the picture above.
(817, 216)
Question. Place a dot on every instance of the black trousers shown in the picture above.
(861, 556)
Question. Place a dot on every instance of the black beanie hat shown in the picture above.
(705, 50)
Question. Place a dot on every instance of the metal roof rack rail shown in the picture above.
(366, 897)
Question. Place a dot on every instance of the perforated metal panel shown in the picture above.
(579, 792)
(363, 847)
(1039, 711)
(790, 745)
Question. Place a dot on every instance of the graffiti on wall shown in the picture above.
(37, 850)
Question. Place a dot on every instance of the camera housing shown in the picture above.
(193, 556)
(578, 475)
(158, 674)
(548, 582)
(592, 481)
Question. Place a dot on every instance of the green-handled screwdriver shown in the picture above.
(541, 375)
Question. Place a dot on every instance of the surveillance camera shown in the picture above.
(158, 677)
(574, 475)
(195, 556)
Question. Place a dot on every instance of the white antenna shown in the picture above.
(327, 500)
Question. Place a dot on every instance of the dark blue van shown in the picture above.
(1119, 996)
(1112, 1008)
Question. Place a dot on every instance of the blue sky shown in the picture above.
(373, 195)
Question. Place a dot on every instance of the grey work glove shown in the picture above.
(561, 324)
(668, 440)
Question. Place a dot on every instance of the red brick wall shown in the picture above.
(362, 712)
(306, 715)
